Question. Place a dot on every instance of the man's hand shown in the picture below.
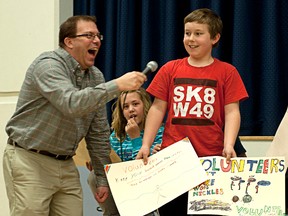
(89, 165)
(101, 194)
(131, 81)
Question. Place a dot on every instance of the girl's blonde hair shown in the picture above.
(119, 121)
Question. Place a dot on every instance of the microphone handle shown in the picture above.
(147, 71)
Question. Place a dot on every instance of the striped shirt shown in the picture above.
(59, 105)
(129, 148)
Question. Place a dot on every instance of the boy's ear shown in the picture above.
(216, 39)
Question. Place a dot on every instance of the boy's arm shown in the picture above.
(232, 125)
(153, 122)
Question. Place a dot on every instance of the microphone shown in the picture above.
(150, 67)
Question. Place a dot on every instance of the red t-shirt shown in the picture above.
(196, 97)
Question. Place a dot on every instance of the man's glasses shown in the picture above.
(90, 36)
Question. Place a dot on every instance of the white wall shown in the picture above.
(28, 28)
(256, 148)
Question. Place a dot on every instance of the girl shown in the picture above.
(128, 120)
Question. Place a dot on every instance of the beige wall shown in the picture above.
(28, 28)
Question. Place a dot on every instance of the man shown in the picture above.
(61, 101)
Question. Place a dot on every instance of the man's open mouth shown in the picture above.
(93, 51)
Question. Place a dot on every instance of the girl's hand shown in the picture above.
(132, 128)
(156, 148)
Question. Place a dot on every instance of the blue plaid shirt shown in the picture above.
(59, 105)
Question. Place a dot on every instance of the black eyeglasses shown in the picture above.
(90, 36)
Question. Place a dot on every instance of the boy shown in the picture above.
(201, 94)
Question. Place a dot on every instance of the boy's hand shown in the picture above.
(228, 153)
(143, 153)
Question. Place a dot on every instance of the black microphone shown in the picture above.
(150, 67)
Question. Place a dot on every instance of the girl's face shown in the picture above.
(133, 107)
(197, 40)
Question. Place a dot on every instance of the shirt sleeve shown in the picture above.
(57, 88)
(98, 145)
(115, 143)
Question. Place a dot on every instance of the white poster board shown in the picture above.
(139, 189)
(247, 186)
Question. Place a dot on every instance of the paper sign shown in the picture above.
(139, 189)
(248, 186)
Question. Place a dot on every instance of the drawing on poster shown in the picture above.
(242, 187)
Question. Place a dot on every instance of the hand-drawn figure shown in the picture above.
(250, 179)
(158, 189)
(235, 199)
(237, 178)
(262, 183)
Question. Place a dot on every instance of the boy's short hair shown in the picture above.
(209, 17)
